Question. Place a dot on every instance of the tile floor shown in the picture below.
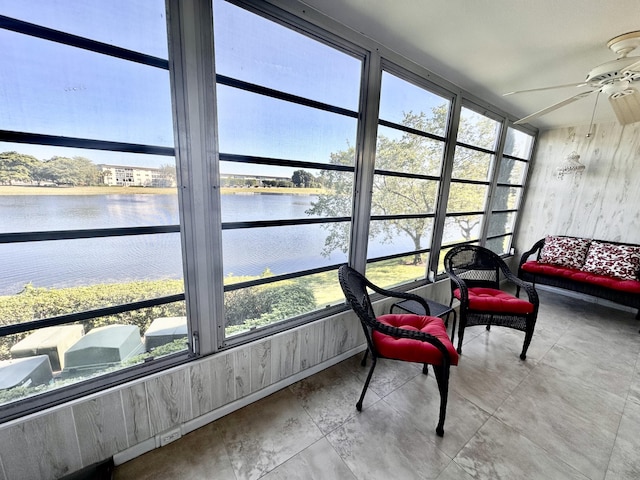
(570, 411)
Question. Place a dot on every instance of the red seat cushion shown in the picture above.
(630, 286)
(492, 300)
(411, 350)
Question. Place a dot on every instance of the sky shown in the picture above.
(62, 90)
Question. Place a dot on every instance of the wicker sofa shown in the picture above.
(604, 269)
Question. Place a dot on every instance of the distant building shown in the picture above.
(239, 180)
(124, 176)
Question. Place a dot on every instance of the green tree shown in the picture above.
(17, 167)
(302, 178)
(392, 195)
(71, 171)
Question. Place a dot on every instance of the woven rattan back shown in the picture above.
(477, 266)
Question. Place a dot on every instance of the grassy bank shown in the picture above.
(106, 190)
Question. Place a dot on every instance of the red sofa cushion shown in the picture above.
(630, 286)
(492, 300)
(411, 350)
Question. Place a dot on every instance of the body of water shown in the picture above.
(148, 257)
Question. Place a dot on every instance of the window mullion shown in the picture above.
(192, 70)
(365, 161)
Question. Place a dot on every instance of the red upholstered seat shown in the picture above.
(630, 286)
(410, 350)
(492, 300)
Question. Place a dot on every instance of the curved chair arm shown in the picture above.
(519, 283)
(462, 287)
(536, 247)
(413, 335)
(403, 295)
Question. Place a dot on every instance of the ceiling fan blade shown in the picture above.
(581, 84)
(555, 106)
(633, 68)
(627, 107)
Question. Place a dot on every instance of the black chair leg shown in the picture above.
(364, 358)
(366, 383)
(460, 337)
(527, 341)
(442, 377)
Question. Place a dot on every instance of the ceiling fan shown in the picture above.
(619, 80)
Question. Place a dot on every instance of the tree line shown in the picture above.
(19, 168)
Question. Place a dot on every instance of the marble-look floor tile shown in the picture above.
(454, 472)
(419, 400)
(610, 372)
(625, 461)
(387, 376)
(634, 390)
(196, 456)
(317, 462)
(267, 433)
(498, 452)
(487, 373)
(380, 443)
(330, 397)
(569, 418)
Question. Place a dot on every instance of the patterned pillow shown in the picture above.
(564, 251)
(620, 261)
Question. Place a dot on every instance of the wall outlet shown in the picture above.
(168, 436)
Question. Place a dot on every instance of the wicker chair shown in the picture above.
(407, 337)
(475, 274)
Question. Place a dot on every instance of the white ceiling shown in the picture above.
(490, 47)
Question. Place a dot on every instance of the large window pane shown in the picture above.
(399, 151)
(471, 164)
(39, 361)
(398, 271)
(401, 195)
(500, 245)
(390, 237)
(50, 193)
(90, 261)
(251, 308)
(467, 197)
(253, 251)
(406, 104)
(511, 171)
(461, 228)
(116, 22)
(501, 223)
(259, 51)
(478, 130)
(66, 91)
(252, 124)
(518, 144)
(506, 198)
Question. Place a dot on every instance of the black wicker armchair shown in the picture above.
(476, 274)
(407, 337)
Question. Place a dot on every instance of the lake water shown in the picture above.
(148, 257)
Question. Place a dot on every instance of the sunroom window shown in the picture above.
(288, 119)
(405, 194)
(90, 250)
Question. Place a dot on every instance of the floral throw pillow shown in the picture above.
(620, 261)
(565, 251)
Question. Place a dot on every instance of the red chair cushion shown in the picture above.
(410, 350)
(492, 300)
(630, 286)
